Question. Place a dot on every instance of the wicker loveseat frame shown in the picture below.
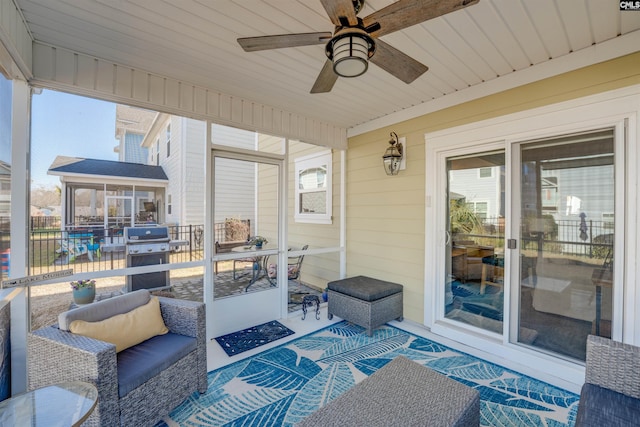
(610, 395)
(55, 355)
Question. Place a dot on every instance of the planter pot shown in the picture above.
(84, 295)
(258, 245)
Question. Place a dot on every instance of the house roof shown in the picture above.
(482, 49)
(63, 165)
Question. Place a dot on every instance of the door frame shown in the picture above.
(253, 307)
(619, 109)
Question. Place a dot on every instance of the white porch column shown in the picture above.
(20, 180)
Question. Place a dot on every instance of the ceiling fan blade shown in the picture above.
(397, 63)
(406, 13)
(326, 79)
(340, 8)
(252, 44)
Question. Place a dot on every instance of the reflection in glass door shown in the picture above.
(566, 217)
(474, 284)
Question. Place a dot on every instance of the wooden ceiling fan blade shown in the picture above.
(406, 13)
(252, 44)
(326, 79)
(340, 8)
(397, 63)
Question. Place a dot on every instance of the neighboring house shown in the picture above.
(177, 144)
(120, 193)
(131, 126)
(482, 190)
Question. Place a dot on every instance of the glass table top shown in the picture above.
(65, 404)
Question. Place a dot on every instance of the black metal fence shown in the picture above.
(83, 249)
(45, 223)
(94, 248)
(97, 249)
(592, 239)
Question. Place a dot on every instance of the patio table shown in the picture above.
(257, 267)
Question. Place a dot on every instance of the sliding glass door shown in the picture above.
(566, 232)
(474, 288)
(529, 248)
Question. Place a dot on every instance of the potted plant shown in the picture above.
(84, 291)
(258, 241)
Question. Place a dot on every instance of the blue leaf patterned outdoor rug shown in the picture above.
(283, 385)
(250, 338)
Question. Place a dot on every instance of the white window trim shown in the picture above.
(323, 158)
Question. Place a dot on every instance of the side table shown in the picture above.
(65, 404)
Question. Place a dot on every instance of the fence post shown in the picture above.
(590, 238)
(190, 244)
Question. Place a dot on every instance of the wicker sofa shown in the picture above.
(139, 385)
(610, 395)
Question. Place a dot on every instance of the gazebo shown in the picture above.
(109, 195)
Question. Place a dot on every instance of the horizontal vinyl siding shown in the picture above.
(386, 214)
(234, 190)
(318, 269)
(194, 153)
(235, 180)
(172, 166)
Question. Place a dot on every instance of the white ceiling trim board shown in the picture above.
(74, 72)
(601, 52)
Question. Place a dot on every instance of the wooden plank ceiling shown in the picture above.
(195, 41)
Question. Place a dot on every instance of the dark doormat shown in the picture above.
(238, 342)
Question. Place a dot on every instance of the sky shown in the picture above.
(69, 125)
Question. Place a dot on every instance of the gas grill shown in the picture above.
(147, 246)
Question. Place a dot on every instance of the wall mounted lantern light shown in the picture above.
(392, 158)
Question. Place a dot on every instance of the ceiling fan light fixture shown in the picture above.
(350, 52)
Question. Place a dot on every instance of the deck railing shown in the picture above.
(591, 239)
(84, 251)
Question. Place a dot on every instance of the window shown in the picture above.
(549, 194)
(485, 172)
(479, 208)
(313, 188)
(168, 140)
(169, 204)
(608, 220)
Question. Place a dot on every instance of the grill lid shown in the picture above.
(146, 234)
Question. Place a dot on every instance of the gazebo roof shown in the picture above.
(63, 165)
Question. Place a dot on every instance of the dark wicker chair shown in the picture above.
(55, 355)
(610, 395)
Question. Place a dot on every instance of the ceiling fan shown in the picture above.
(355, 40)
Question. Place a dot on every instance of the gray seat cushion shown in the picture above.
(141, 362)
(365, 288)
(603, 407)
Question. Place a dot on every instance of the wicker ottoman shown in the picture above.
(402, 393)
(365, 301)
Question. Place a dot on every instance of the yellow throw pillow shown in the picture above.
(125, 330)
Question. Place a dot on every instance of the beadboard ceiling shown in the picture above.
(195, 41)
